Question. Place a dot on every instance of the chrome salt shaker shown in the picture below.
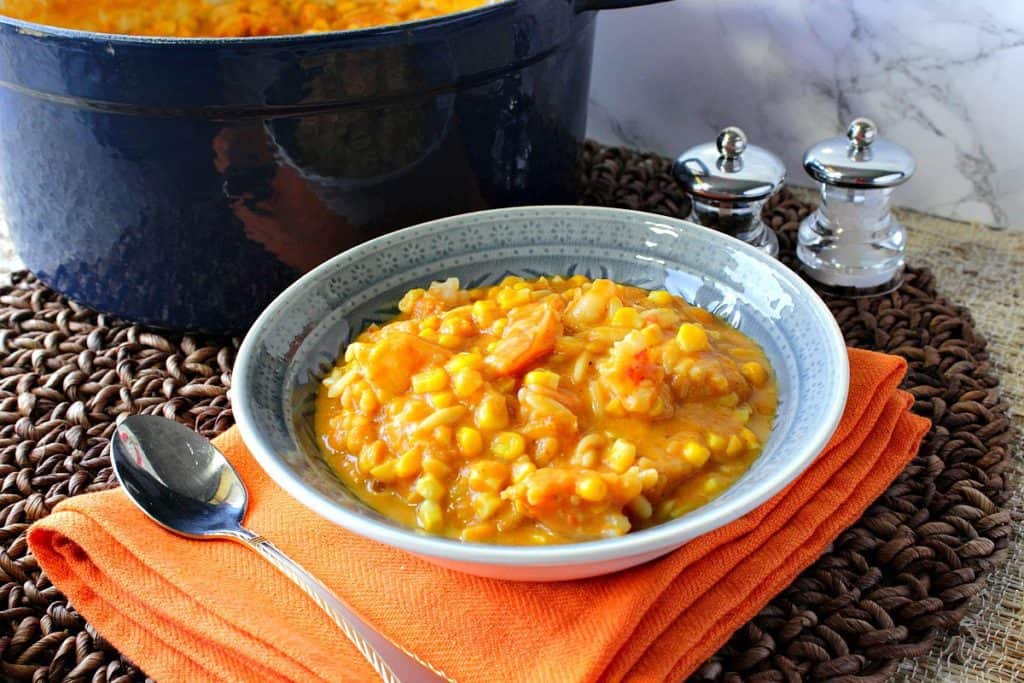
(728, 182)
(852, 245)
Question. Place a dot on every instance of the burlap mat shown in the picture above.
(890, 588)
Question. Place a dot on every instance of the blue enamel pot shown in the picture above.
(185, 182)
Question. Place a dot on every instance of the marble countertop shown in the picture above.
(939, 77)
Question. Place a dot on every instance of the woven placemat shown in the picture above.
(884, 591)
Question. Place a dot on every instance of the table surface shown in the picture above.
(979, 268)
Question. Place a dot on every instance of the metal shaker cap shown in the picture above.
(861, 159)
(729, 170)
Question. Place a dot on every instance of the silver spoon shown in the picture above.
(181, 481)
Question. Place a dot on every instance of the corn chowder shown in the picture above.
(544, 411)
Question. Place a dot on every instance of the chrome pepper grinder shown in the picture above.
(728, 181)
(852, 244)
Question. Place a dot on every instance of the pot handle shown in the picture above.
(593, 5)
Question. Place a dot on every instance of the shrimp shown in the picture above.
(531, 334)
(398, 356)
(592, 306)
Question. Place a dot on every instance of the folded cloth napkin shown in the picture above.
(214, 611)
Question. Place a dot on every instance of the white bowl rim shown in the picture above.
(664, 536)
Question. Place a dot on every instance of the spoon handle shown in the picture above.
(383, 655)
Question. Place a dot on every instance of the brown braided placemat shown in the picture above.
(884, 591)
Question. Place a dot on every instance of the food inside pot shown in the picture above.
(547, 411)
(227, 18)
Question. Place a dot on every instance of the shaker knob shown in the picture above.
(731, 142)
(861, 132)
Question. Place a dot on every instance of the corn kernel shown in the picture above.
(471, 444)
(506, 384)
(492, 413)
(713, 484)
(429, 381)
(372, 455)
(716, 442)
(651, 335)
(485, 313)
(615, 408)
(415, 410)
(660, 297)
(442, 399)
(522, 469)
(692, 337)
(755, 373)
(410, 298)
(752, 441)
(369, 403)
(508, 445)
(430, 487)
(429, 515)
(456, 324)
(509, 298)
(408, 463)
(695, 454)
(649, 478)
(488, 475)
(730, 400)
(449, 341)
(591, 487)
(499, 326)
(431, 322)
(627, 317)
(485, 505)
(467, 382)
(461, 361)
(542, 378)
(621, 456)
(640, 507)
(742, 414)
(665, 509)
(384, 472)
(544, 449)
(428, 335)
(735, 446)
(616, 525)
(442, 435)
(436, 467)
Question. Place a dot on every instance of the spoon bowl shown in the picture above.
(188, 487)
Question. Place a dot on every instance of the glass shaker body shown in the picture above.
(852, 243)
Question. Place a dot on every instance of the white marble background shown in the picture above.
(944, 78)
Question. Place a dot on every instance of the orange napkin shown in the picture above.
(214, 611)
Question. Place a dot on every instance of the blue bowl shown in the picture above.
(297, 340)
(186, 182)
